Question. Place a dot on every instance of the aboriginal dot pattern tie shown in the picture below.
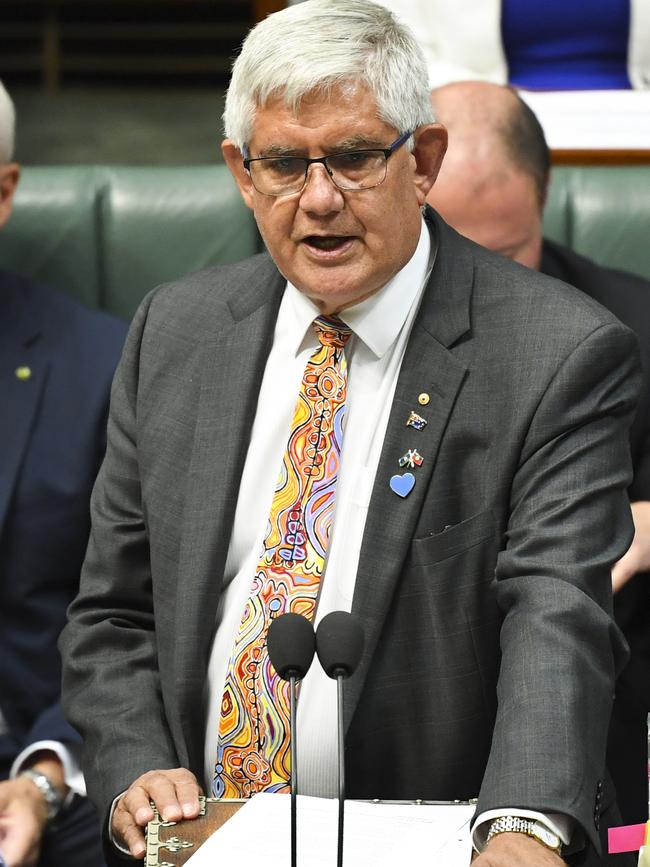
(253, 751)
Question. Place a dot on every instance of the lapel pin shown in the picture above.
(411, 459)
(402, 485)
(23, 373)
(416, 421)
(423, 399)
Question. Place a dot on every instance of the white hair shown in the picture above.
(320, 44)
(7, 125)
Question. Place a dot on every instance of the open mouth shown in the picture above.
(328, 243)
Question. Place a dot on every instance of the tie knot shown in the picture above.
(332, 331)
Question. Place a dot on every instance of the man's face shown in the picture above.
(503, 214)
(338, 247)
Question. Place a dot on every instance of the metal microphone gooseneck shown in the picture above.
(291, 644)
(339, 645)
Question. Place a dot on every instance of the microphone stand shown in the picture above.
(294, 775)
(339, 645)
(291, 644)
(340, 674)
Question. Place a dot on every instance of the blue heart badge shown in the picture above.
(402, 485)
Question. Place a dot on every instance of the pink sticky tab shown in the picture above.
(627, 838)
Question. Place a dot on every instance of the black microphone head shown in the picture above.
(339, 643)
(291, 644)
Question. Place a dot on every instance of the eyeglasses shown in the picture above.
(354, 170)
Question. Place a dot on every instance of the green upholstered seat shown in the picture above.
(53, 231)
(160, 223)
(109, 234)
(602, 212)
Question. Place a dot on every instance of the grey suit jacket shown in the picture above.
(485, 594)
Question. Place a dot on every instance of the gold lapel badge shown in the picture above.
(23, 373)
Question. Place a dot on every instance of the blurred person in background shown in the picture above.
(583, 45)
(492, 188)
(56, 364)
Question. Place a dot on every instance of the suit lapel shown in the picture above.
(428, 366)
(19, 348)
(232, 369)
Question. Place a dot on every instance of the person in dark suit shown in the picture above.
(492, 189)
(57, 363)
(480, 486)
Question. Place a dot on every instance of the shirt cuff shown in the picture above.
(72, 775)
(117, 845)
(558, 823)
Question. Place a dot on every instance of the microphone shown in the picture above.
(339, 645)
(291, 644)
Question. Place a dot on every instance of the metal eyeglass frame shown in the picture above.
(387, 152)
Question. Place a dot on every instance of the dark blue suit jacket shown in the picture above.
(52, 439)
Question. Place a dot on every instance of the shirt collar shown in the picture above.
(376, 320)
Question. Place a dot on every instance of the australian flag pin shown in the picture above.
(416, 421)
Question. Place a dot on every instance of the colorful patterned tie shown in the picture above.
(253, 752)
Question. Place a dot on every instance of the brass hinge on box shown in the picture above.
(170, 844)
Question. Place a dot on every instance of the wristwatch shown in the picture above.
(531, 827)
(53, 800)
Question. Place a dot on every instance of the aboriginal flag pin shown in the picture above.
(411, 459)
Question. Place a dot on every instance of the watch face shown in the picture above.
(547, 837)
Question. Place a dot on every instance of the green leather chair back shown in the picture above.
(108, 235)
(52, 232)
(602, 212)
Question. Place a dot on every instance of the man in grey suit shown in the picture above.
(481, 492)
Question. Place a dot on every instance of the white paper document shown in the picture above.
(377, 834)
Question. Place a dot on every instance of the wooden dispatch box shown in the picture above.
(170, 844)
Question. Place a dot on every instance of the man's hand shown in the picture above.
(516, 850)
(637, 558)
(175, 793)
(23, 813)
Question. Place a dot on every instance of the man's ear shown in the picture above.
(9, 174)
(233, 159)
(430, 148)
(547, 187)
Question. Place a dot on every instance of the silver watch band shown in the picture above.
(530, 827)
(53, 799)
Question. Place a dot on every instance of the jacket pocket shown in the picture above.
(434, 548)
